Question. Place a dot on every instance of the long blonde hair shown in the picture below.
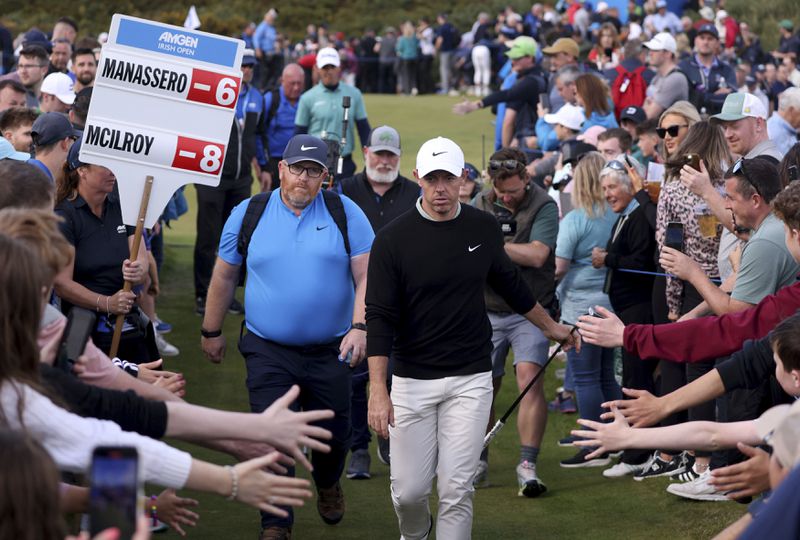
(588, 192)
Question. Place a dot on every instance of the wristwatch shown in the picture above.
(359, 326)
(210, 334)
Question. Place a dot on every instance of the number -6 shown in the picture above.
(226, 91)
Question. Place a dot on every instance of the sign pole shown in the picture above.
(137, 239)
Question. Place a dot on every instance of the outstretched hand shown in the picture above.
(642, 410)
(267, 491)
(290, 431)
(605, 331)
(603, 437)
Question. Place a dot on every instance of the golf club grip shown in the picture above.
(493, 433)
(533, 381)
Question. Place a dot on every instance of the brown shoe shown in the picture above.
(276, 533)
(330, 504)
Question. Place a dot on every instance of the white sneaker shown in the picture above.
(529, 483)
(698, 489)
(622, 469)
(481, 478)
(166, 348)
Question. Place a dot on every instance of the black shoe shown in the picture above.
(236, 308)
(579, 460)
(200, 305)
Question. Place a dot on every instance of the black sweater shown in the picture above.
(425, 293)
(130, 411)
(633, 249)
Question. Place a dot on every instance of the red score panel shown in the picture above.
(198, 156)
(214, 88)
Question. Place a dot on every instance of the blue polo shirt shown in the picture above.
(299, 284)
(281, 126)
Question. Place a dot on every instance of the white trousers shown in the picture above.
(482, 62)
(439, 429)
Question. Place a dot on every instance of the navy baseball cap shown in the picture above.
(708, 29)
(472, 172)
(633, 113)
(52, 127)
(249, 58)
(73, 161)
(306, 148)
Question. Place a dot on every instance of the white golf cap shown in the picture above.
(741, 105)
(440, 154)
(570, 116)
(59, 85)
(780, 428)
(663, 41)
(328, 56)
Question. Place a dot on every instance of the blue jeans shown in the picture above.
(593, 373)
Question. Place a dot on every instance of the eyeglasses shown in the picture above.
(672, 130)
(312, 172)
(29, 66)
(739, 170)
(507, 164)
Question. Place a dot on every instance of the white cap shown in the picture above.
(780, 428)
(741, 105)
(59, 85)
(440, 154)
(328, 56)
(570, 116)
(721, 14)
(601, 7)
(663, 41)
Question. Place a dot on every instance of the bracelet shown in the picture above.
(153, 511)
(97, 304)
(210, 333)
(108, 309)
(359, 326)
(234, 483)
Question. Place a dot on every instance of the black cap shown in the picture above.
(73, 161)
(52, 127)
(306, 148)
(633, 113)
(708, 29)
(573, 150)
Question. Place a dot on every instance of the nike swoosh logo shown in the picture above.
(439, 153)
(320, 228)
(304, 148)
(471, 249)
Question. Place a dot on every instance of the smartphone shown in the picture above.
(692, 160)
(544, 99)
(674, 236)
(80, 323)
(115, 493)
(608, 52)
(593, 313)
(792, 172)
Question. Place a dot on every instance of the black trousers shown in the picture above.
(214, 205)
(270, 67)
(324, 383)
(637, 373)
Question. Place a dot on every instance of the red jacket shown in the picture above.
(707, 338)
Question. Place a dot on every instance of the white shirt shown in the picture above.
(70, 439)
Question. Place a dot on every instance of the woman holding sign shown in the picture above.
(88, 201)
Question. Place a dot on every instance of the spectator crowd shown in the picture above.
(640, 210)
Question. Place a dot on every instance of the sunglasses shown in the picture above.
(507, 164)
(672, 130)
(738, 169)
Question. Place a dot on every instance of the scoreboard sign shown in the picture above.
(163, 104)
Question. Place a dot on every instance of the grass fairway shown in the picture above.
(579, 503)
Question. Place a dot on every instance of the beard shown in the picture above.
(383, 177)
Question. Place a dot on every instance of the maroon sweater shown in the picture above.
(707, 338)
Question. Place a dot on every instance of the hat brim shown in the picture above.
(298, 159)
(728, 117)
(550, 51)
(66, 99)
(771, 419)
(452, 168)
(382, 148)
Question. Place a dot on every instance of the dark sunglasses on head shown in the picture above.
(672, 130)
(739, 170)
(507, 164)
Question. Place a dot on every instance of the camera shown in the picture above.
(506, 219)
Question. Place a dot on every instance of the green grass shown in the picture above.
(579, 503)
